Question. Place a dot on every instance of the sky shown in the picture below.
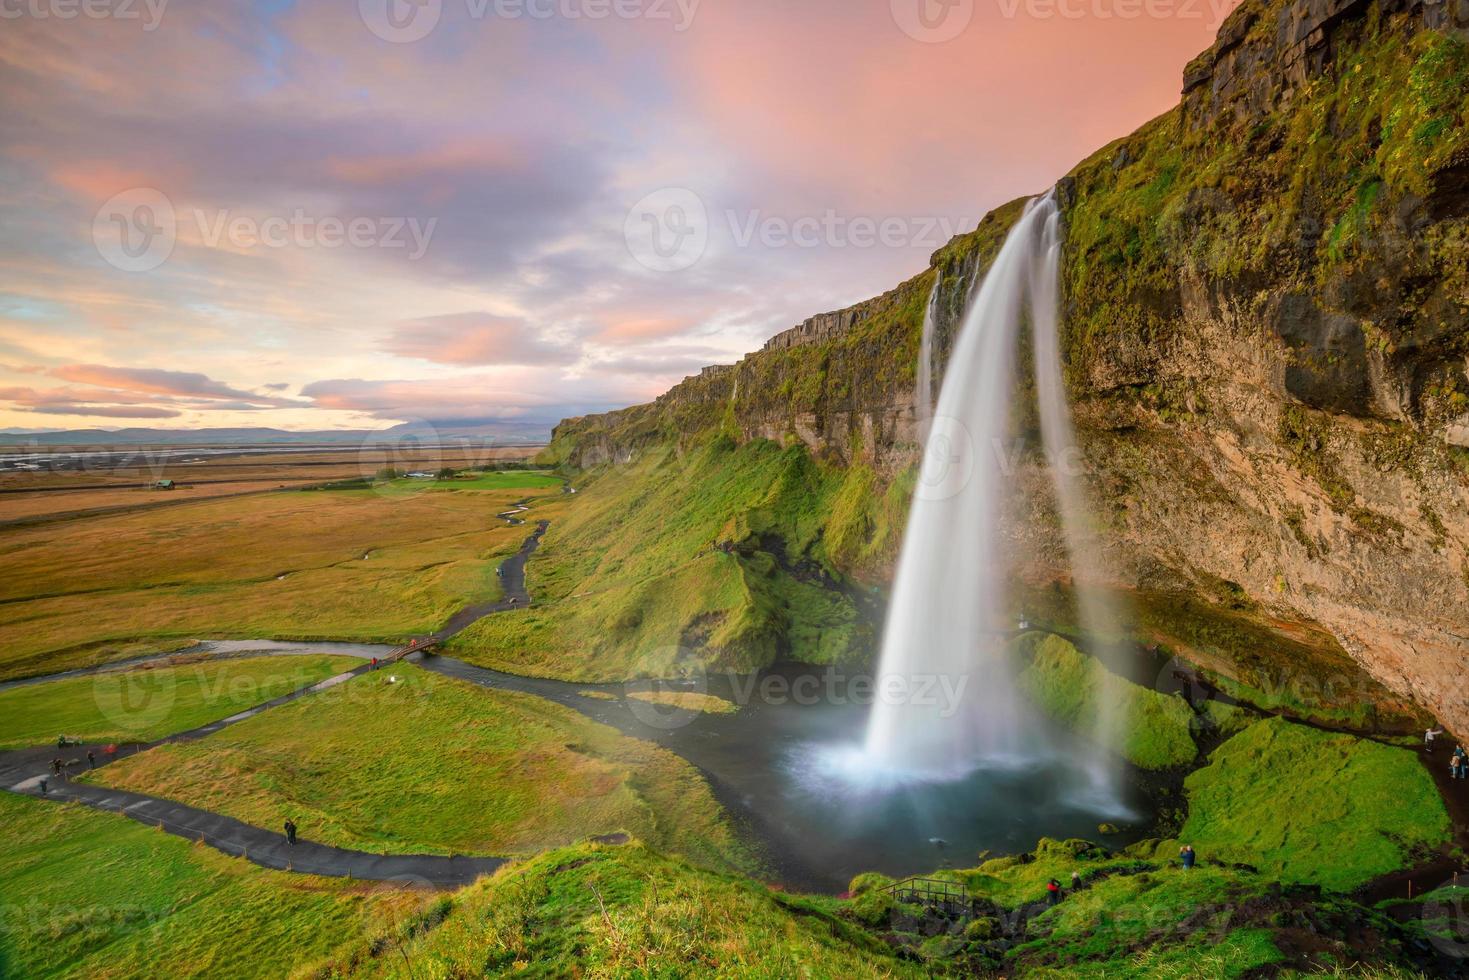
(357, 213)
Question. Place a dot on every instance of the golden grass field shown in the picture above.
(29, 495)
(353, 565)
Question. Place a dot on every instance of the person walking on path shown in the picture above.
(1187, 853)
(1454, 764)
(1053, 892)
(91, 759)
(43, 785)
(290, 831)
(111, 751)
(56, 765)
(1075, 880)
(1428, 738)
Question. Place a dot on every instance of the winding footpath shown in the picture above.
(25, 771)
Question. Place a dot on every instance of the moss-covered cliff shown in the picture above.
(1267, 333)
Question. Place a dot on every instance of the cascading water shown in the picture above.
(946, 699)
(923, 388)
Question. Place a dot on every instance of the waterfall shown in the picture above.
(1097, 616)
(946, 701)
(923, 388)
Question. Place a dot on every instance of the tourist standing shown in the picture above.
(1053, 892)
(1186, 852)
(1428, 738)
(290, 831)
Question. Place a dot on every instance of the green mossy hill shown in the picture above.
(601, 911)
(1152, 731)
(1308, 806)
(718, 557)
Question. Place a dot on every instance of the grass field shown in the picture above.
(1309, 806)
(433, 765)
(629, 583)
(145, 703)
(355, 565)
(89, 894)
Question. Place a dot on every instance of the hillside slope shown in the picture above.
(1267, 333)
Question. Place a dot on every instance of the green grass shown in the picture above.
(1152, 729)
(592, 910)
(145, 703)
(628, 581)
(434, 765)
(76, 590)
(1308, 806)
(89, 894)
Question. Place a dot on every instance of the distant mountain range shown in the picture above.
(495, 432)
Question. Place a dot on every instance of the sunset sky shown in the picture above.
(369, 226)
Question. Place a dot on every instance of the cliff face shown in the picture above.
(1267, 334)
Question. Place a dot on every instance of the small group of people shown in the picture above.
(1053, 888)
(1458, 761)
(59, 764)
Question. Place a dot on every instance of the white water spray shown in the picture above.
(923, 388)
(947, 621)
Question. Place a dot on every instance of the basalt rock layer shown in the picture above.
(1267, 340)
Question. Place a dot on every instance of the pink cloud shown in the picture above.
(156, 381)
(474, 339)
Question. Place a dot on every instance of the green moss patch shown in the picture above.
(1309, 806)
(1152, 731)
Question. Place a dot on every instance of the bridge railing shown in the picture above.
(951, 896)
